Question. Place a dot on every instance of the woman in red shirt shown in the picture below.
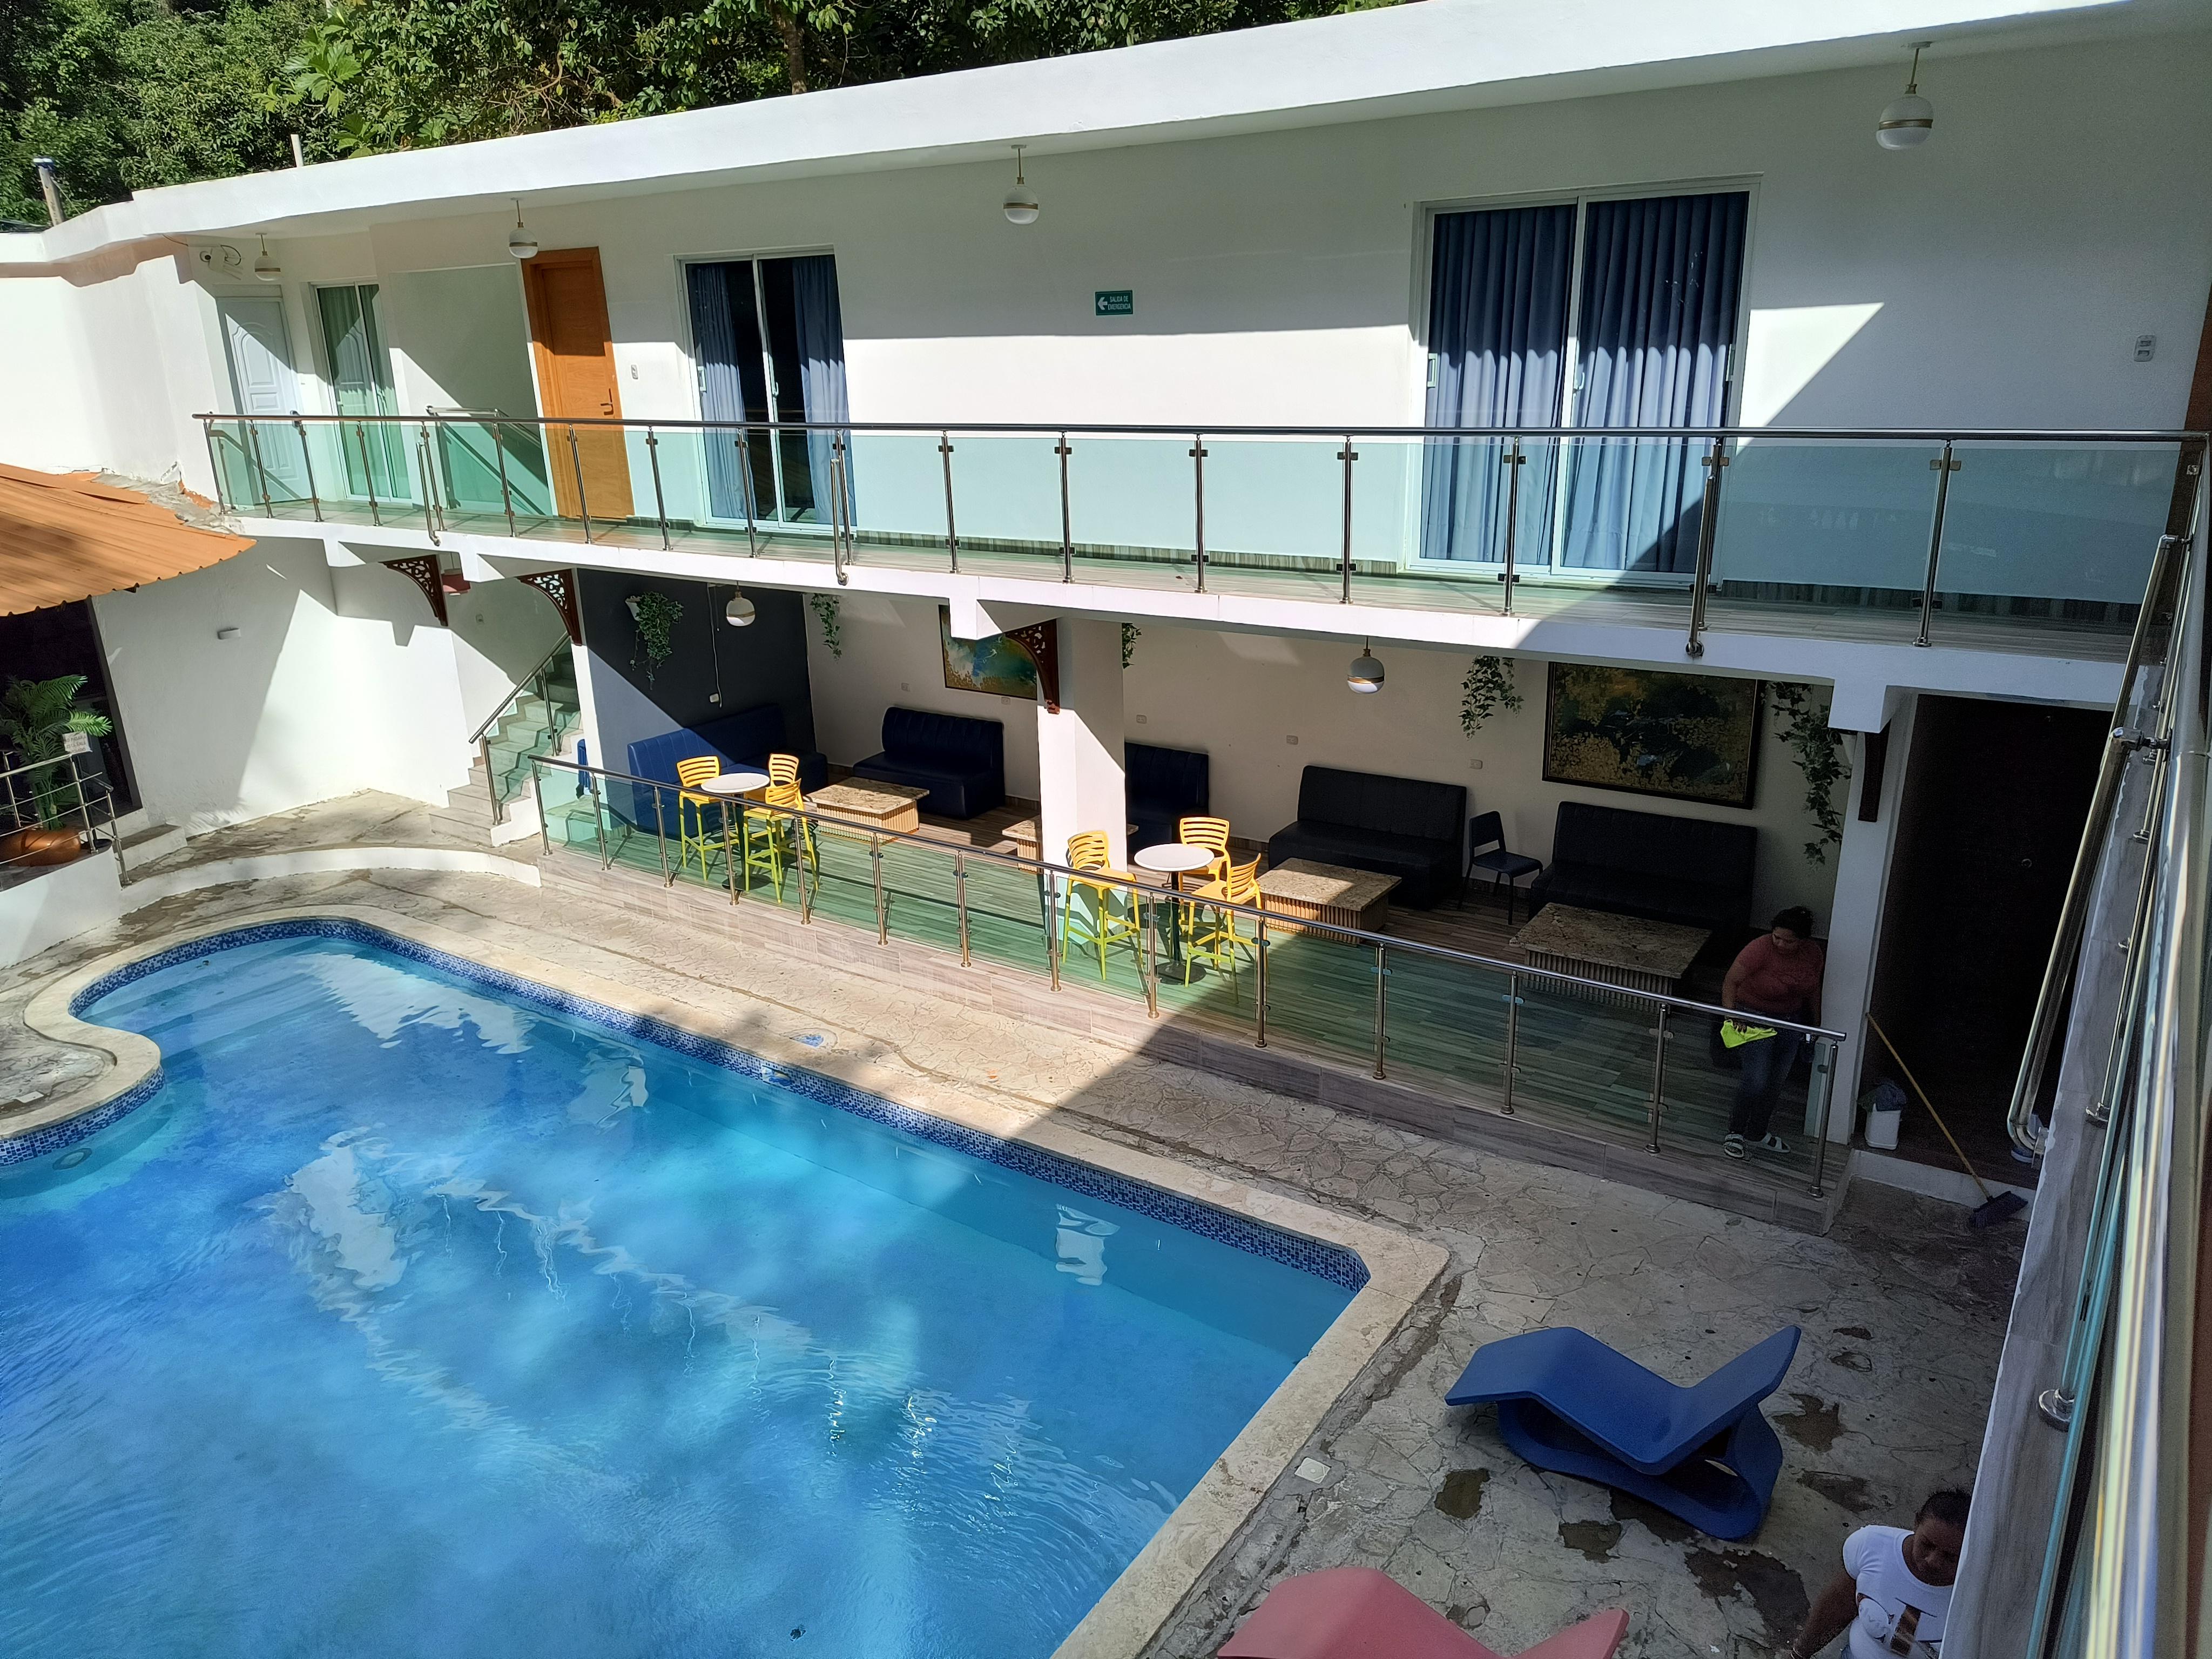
(1777, 975)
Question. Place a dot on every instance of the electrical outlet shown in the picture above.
(1293, 742)
(1474, 766)
(2146, 347)
(903, 686)
(1141, 720)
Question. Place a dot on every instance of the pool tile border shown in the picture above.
(1399, 1267)
(1333, 1263)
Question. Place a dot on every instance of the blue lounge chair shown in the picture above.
(1641, 1420)
(1721, 1488)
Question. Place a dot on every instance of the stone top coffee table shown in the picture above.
(1326, 892)
(876, 805)
(1628, 950)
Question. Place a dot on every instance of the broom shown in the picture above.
(1995, 1206)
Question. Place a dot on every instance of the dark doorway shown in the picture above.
(1994, 803)
(63, 639)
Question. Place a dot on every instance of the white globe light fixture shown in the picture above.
(1021, 203)
(519, 242)
(1365, 674)
(1907, 120)
(266, 267)
(740, 611)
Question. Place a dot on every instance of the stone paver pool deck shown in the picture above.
(1902, 1308)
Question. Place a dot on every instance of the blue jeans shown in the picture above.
(1766, 1065)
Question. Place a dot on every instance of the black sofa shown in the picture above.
(1402, 826)
(1691, 870)
(1164, 785)
(961, 761)
(742, 741)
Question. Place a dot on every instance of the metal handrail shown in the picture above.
(520, 687)
(1055, 429)
(106, 795)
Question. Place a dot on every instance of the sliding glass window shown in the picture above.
(373, 455)
(770, 345)
(1608, 312)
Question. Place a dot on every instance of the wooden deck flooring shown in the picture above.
(1583, 1065)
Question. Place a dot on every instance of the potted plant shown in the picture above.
(35, 717)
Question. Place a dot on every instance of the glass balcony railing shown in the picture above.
(1911, 533)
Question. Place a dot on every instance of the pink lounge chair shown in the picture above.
(1358, 1613)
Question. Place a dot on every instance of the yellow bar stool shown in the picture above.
(1102, 927)
(692, 808)
(773, 839)
(1211, 834)
(1214, 937)
(783, 768)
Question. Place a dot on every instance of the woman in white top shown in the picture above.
(1894, 1592)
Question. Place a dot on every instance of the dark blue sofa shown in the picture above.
(1164, 785)
(1403, 827)
(742, 741)
(961, 761)
(1690, 871)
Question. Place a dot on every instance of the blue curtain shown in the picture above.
(822, 366)
(1660, 282)
(1498, 333)
(721, 387)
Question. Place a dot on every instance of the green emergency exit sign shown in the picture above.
(1115, 302)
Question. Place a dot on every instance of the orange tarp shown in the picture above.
(67, 535)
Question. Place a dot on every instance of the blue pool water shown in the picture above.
(417, 1313)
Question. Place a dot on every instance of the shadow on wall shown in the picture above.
(711, 669)
(254, 687)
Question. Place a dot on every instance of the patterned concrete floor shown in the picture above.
(1903, 1308)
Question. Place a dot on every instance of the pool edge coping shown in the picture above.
(1140, 1600)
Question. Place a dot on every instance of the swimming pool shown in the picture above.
(423, 1309)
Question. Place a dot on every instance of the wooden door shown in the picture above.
(575, 353)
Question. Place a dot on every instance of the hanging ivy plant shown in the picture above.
(1130, 635)
(1817, 748)
(1487, 688)
(656, 615)
(825, 612)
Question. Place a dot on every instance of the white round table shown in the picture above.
(734, 783)
(1176, 859)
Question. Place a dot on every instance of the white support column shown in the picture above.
(1079, 766)
(1862, 864)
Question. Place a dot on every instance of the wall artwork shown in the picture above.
(996, 665)
(1694, 737)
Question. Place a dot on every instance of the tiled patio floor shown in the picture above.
(1903, 1308)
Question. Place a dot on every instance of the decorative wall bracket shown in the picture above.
(421, 569)
(1041, 642)
(560, 586)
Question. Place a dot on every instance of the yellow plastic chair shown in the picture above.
(1212, 935)
(783, 768)
(691, 811)
(1211, 834)
(772, 839)
(1087, 851)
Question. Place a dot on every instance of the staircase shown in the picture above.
(541, 717)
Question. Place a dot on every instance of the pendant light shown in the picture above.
(1365, 674)
(266, 267)
(740, 611)
(1907, 120)
(1021, 203)
(519, 242)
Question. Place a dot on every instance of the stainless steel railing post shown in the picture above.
(367, 469)
(1151, 967)
(1512, 1033)
(1659, 1073)
(659, 504)
(1381, 1003)
(839, 550)
(875, 874)
(729, 862)
(660, 832)
(422, 463)
(951, 530)
(1067, 518)
(1055, 902)
(1348, 455)
(1513, 461)
(960, 903)
(499, 454)
(1198, 485)
(1709, 518)
(261, 473)
(576, 462)
(598, 818)
(1260, 994)
(215, 463)
(491, 780)
(1824, 1080)
(307, 461)
(813, 840)
(538, 788)
(1942, 467)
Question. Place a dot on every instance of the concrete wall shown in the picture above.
(335, 681)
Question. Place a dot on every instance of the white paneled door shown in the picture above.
(262, 382)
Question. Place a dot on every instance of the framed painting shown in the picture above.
(1693, 737)
(996, 664)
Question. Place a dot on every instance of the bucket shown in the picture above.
(1885, 1110)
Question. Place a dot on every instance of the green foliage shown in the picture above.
(1817, 748)
(656, 615)
(1130, 635)
(1487, 688)
(33, 716)
(826, 613)
(131, 94)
